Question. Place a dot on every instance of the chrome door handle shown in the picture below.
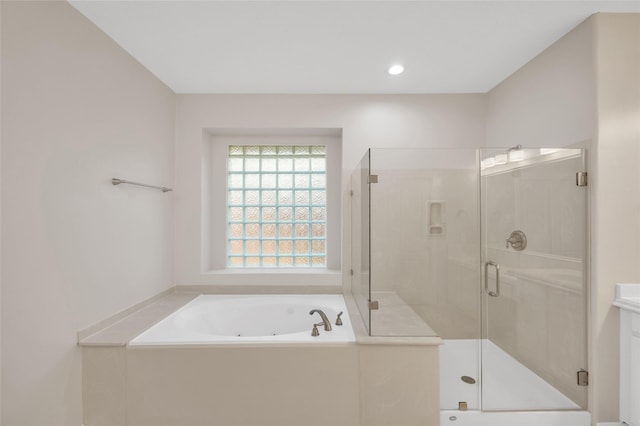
(486, 278)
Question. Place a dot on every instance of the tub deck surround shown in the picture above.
(363, 338)
(121, 328)
(251, 319)
(374, 381)
(397, 318)
(121, 332)
(237, 386)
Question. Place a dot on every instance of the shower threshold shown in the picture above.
(520, 418)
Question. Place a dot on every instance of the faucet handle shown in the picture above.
(339, 320)
(517, 240)
(315, 331)
(509, 241)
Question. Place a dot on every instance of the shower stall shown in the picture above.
(488, 250)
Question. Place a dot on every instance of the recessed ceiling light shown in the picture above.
(395, 69)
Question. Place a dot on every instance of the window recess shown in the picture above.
(276, 206)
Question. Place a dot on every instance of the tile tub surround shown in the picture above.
(251, 319)
(242, 386)
(374, 381)
(121, 330)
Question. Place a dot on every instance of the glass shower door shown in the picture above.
(534, 282)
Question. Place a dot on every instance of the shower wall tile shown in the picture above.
(542, 201)
(543, 328)
(566, 343)
(437, 275)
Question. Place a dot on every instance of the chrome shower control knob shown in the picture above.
(518, 241)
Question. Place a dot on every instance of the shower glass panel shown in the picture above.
(534, 221)
(486, 249)
(360, 247)
(425, 239)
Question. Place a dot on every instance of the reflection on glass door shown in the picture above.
(533, 222)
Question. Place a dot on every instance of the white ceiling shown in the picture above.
(337, 46)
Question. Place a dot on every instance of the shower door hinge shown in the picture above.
(581, 179)
(372, 179)
(583, 377)
(374, 305)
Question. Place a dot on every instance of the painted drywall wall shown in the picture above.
(584, 90)
(77, 110)
(550, 102)
(616, 194)
(366, 121)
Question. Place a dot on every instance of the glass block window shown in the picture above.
(277, 214)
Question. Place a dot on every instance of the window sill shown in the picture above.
(302, 271)
(279, 277)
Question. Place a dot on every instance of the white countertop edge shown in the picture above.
(628, 297)
(628, 305)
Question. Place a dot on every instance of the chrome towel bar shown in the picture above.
(116, 181)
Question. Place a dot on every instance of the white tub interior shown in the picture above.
(237, 319)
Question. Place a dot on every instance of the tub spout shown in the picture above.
(325, 320)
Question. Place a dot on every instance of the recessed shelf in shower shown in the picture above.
(435, 217)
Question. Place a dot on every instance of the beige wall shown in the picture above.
(616, 193)
(585, 90)
(366, 121)
(549, 102)
(76, 111)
